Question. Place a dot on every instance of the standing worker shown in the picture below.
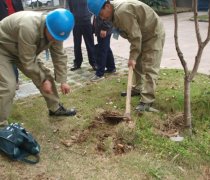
(8, 7)
(23, 36)
(83, 28)
(104, 55)
(138, 23)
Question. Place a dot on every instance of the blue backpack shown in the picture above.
(18, 144)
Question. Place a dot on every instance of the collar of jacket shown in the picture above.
(43, 24)
(42, 29)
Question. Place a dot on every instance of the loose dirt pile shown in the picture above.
(103, 135)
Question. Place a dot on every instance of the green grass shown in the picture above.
(166, 11)
(153, 156)
(202, 18)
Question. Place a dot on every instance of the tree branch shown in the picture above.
(208, 35)
(196, 21)
(201, 45)
(179, 52)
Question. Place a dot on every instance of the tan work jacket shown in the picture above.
(22, 39)
(136, 22)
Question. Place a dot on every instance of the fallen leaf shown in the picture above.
(66, 143)
(73, 137)
(121, 146)
(56, 147)
(55, 130)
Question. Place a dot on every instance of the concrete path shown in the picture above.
(187, 42)
(120, 47)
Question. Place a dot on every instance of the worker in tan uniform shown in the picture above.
(138, 23)
(23, 36)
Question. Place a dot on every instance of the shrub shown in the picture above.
(156, 3)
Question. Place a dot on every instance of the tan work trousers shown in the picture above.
(147, 68)
(8, 86)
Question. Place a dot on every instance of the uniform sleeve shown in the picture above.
(59, 59)
(27, 52)
(130, 26)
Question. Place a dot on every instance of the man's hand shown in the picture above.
(103, 34)
(65, 88)
(47, 87)
(132, 63)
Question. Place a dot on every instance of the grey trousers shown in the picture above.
(147, 68)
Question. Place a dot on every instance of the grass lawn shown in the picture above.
(88, 147)
(165, 11)
(204, 18)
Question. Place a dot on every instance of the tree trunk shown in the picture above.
(187, 103)
(190, 75)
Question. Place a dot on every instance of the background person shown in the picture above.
(23, 36)
(104, 55)
(8, 7)
(138, 23)
(83, 28)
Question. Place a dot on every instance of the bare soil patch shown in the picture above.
(103, 135)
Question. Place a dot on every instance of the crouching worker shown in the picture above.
(23, 36)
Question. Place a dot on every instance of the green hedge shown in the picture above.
(156, 3)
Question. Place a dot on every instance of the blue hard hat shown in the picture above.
(95, 6)
(59, 23)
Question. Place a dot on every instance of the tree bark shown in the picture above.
(187, 103)
(190, 75)
(187, 80)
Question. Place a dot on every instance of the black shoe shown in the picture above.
(94, 67)
(74, 67)
(62, 112)
(133, 93)
(110, 71)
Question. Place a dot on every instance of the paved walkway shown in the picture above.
(120, 47)
(76, 79)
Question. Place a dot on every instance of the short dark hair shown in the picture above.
(107, 2)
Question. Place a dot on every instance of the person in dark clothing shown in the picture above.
(3, 10)
(104, 55)
(83, 27)
(8, 7)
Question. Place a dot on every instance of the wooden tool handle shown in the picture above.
(129, 87)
